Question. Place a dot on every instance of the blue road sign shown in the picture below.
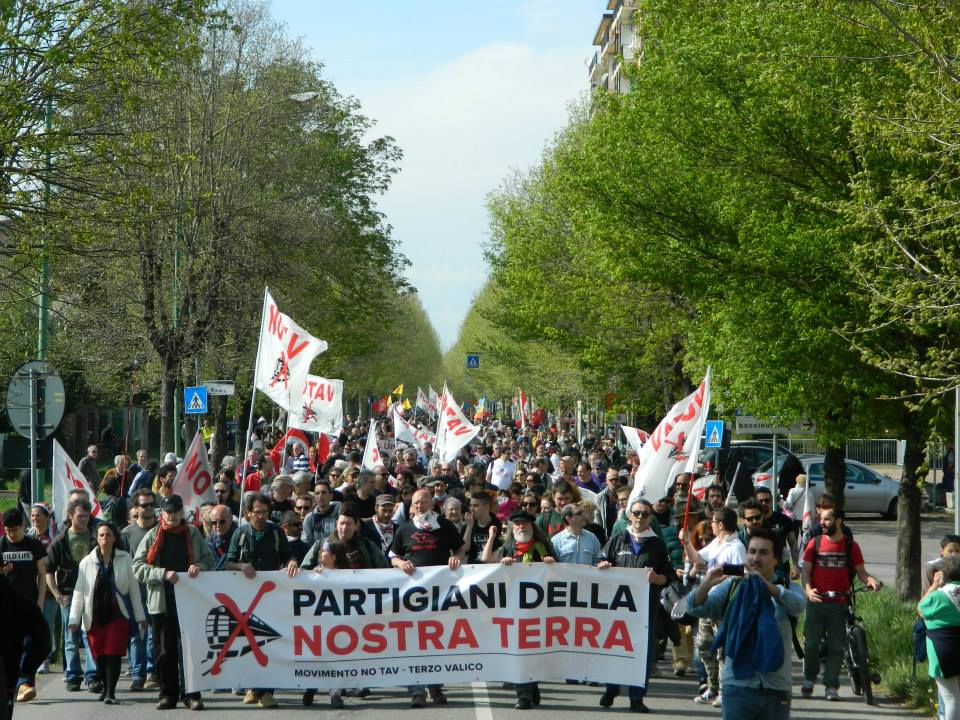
(714, 433)
(473, 362)
(195, 400)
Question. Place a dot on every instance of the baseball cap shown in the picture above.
(172, 503)
(385, 499)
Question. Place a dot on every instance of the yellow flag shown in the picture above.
(406, 405)
(398, 390)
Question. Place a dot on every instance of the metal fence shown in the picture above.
(870, 451)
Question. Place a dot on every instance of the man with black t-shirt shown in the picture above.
(260, 545)
(783, 526)
(23, 561)
(478, 521)
(423, 540)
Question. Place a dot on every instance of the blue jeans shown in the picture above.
(741, 703)
(72, 642)
(50, 615)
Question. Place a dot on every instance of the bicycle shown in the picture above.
(856, 656)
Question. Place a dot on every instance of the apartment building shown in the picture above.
(619, 42)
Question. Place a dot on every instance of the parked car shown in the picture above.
(748, 455)
(788, 467)
(865, 490)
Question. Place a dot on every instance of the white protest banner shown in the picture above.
(320, 406)
(672, 446)
(432, 400)
(376, 628)
(284, 356)
(422, 402)
(453, 429)
(371, 451)
(410, 434)
(635, 437)
(194, 481)
(66, 478)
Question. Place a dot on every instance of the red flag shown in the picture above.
(277, 453)
(382, 405)
(323, 449)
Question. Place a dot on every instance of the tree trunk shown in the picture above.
(908, 517)
(833, 473)
(168, 381)
(220, 432)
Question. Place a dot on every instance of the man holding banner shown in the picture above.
(426, 539)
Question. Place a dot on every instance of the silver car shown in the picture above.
(866, 491)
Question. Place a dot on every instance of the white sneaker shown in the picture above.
(719, 701)
(706, 697)
(44, 668)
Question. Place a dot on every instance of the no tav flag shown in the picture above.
(66, 479)
(453, 429)
(673, 447)
(194, 481)
(319, 407)
(284, 355)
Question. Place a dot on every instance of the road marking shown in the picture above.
(481, 701)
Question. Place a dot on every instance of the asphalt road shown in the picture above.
(486, 701)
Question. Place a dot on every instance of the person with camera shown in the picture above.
(754, 629)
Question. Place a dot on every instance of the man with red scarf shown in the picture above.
(172, 547)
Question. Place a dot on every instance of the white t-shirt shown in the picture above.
(501, 472)
(726, 551)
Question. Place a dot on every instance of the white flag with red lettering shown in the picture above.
(371, 451)
(422, 402)
(320, 406)
(67, 478)
(407, 432)
(673, 447)
(635, 437)
(432, 400)
(284, 356)
(453, 429)
(194, 481)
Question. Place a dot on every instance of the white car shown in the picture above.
(865, 491)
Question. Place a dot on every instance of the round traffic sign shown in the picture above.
(48, 394)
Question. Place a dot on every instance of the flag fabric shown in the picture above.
(422, 402)
(67, 478)
(524, 408)
(673, 446)
(700, 485)
(371, 451)
(635, 437)
(292, 435)
(319, 407)
(809, 508)
(406, 405)
(453, 429)
(382, 405)
(284, 355)
(408, 433)
(731, 501)
(194, 481)
(481, 408)
(398, 390)
(433, 400)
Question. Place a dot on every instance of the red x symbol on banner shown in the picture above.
(242, 626)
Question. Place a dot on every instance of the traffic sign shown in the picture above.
(40, 405)
(195, 400)
(473, 361)
(714, 433)
(749, 425)
(219, 387)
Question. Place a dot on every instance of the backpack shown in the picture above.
(244, 534)
(847, 551)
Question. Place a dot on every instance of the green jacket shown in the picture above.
(152, 576)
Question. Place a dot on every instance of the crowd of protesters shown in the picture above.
(728, 587)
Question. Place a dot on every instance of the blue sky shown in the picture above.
(471, 91)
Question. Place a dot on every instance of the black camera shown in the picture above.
(731, 569)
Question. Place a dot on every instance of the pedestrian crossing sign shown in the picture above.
(195, 400)
(714, 433)
(473, 361)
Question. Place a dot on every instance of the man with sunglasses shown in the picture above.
(223, 528)
(575, 544)
(783, 526)
(639, 547)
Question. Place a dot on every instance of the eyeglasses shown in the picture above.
(641, 514)
(752, 518)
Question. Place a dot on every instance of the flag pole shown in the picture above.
(253, 389)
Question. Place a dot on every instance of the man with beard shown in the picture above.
(143, 519)
(423, 540)
(319, 523)
(381, 528)
(526, 544)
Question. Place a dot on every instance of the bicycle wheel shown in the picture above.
(848, 662)
(861, 659)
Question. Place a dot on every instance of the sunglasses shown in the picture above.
(642, 514)
(149, 506)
